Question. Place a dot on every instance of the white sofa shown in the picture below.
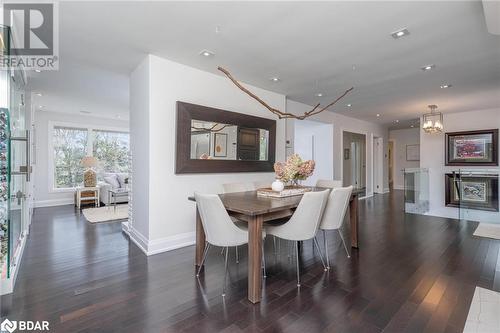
(109, 181)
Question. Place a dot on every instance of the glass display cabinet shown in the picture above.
(15, 167)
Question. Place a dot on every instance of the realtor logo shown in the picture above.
(8, 326)
(31, 36)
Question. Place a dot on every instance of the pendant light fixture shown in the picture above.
(433, 121)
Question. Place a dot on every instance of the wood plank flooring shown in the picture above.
(411, 274)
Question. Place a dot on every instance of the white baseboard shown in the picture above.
(53, 202)
(386, 190)
(155, 246)
(7, 285)
(398, 187)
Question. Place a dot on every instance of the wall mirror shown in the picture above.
(211, 140)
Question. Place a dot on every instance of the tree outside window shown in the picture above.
(69, 149)
(111, 149)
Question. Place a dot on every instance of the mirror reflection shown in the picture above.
(218, 141)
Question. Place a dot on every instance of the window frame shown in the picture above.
(90, 128)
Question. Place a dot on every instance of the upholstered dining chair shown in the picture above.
(304, 223)
(232, 188)
(238, 187)
(328, 183)
(262, 184)
(219, 229)
(333, 216)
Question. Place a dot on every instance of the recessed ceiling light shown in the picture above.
(444, 86)
(428, 67)
(38, 94)
(349, 105)
(400, 33)
(378, 114)
(318, 94)
(85, 112)
(38, 71)
(396, 121)
(412, 126)
(207, 53)
(275, 79)
(40, 106)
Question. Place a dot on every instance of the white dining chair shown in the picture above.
(328, 183)
(219, 229)
(233, 188)
(262, 184)
(304, 223)
(238, 187)
(334, 214)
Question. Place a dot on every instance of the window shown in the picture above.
(111, 149)
(70, 144)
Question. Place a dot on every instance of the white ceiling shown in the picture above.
(310, 46)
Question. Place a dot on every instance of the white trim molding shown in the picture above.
(54, 202)
(155, 246)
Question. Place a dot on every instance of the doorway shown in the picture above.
(313, 140)
(391, 164)
(354, 163)
(378, 165)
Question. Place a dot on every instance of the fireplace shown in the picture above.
(472, 191)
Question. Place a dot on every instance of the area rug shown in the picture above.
(106, 214)
(488, 230)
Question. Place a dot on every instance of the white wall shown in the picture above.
(43, 192)
(342, 123)
(313, 141)
(432, 148)
(402, 138)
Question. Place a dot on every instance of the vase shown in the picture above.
(277, 185)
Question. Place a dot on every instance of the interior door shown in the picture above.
(248, 147)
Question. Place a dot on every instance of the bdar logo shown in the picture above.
(8, 326)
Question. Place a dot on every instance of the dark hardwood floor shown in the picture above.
(411, 274)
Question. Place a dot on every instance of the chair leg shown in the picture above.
(225, 274)
(297, 258)
(320, 254)
(274, 244)
(237, 256)
(343, 242)
(222, 251)
(263, 261)
(326, 250)
(203, 259)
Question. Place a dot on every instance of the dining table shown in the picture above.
(255, 210)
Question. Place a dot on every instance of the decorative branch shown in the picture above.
(210, 129)
(280, 114)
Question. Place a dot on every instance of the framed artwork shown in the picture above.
(474, 192)
(347, 153)
(220, 145)
(413, 152)
(472, 148)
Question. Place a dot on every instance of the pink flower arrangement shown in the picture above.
(294, 169)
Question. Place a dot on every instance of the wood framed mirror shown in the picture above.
(211, 140)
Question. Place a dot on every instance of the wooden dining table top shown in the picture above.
(251, 204)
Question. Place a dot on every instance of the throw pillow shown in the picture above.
(122, 179)
(113, 181)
